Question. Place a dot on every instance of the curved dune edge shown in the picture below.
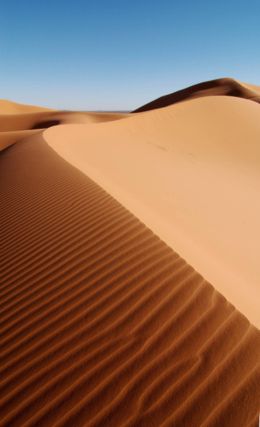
(41, 120)
(190, 172)
(9, 138)
(225, 86)
(102, 324)
(27, 120)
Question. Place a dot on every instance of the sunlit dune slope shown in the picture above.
(191, 173)
(10, 107)
(44, 120)
(224, 86)
(101, 323)
(15, 126)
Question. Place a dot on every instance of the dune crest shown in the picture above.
(113, 229)
(189, 172)
(10, 107)
(15, 127)
(219, 87)
(101, 323)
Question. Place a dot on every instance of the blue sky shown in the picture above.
(119, 54)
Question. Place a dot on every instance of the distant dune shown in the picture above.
(225, 86)
(10, 107)
(18, 121)
(113, 229)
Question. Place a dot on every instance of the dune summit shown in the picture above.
(218, 87)
(129, 277)
(190, 172)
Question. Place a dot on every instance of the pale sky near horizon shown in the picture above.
(120, 54)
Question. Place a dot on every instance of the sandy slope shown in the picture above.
(9, 138)
(101, 323)
(191, 173)
(44, 120)
(10, 107)
(225, 86)
(18, 121)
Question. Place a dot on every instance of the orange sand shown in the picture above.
(103, 324)
(218, 87)
(191, 173)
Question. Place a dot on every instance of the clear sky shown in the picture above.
(119, 54)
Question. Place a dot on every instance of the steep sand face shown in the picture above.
(191, 173)
(101, 323)
(224, 86)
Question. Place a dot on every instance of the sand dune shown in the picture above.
(225, 86)
(10, 138)
(44, 120)
(18, 121)
(10, 107)
(102, 324)
(191, 173)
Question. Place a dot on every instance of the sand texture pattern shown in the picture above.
(102, 324)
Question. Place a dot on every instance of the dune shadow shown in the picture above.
(46, 124)
(224, 86)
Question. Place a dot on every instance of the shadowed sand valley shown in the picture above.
(129, 264)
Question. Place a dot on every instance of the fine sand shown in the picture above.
(218, 87)
(191, 173)
(102, 323)
(9, 107)
(18, 121)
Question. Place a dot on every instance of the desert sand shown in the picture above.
(191, 173)
(129, 265)
(218, 87)
(18, 121)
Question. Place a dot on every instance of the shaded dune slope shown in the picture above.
(101, 323)
(225, 86)
(9, 138)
